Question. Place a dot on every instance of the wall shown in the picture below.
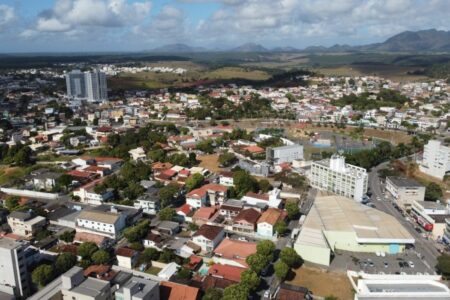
(317, 255)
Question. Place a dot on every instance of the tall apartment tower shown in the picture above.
(14, 277)
(90, 86)
(335, 176)
(76, 85)
(436, 159)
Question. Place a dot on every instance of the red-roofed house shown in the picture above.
(246, 220)
(184, 211)
(203, 215)
(175, 291)
(197, 198)
(234, 252)
(254, 149)
(227, 272)
(126, 257)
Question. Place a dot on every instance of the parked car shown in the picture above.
(410, 264)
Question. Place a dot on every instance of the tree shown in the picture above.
(149, 254)
(12, 203)
(184, 273)
(101, 257)
(264, 185)
(42, 275)
(86, 250)
(167, 214)
(64, 180)
(265, 248)
(257, 262)
(137, 232)
(212, 294)
(250, 280)
(194, 181)
(443, 265)
(290, 257)
(433, 192)
(280, 227)
(157, 155)
(167, 194)
(65, 261)
(166, 256)
(67, 236)
(281, 269)
(292, 210)
(244, 182)
(227, 159)
(23, 157)
(235, 292)
(205, 146)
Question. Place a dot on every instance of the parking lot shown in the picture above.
(408, 262)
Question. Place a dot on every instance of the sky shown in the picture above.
(136, 25)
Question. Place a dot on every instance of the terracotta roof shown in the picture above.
(175, 291)
(254, 149)
(197, 193)
(79, 174)
(107, 159)
(226, 174)
(232, 249)
(124, 251)
(225, 271)
(215, 187)
(271, 216)
(153, 237)
(264, 197)
(161, 166)
(185, 208)
(209, 231)
(249, 215)
(94, 169)
(215, 282)
(169, 173)
(204, 213)
(102, 272)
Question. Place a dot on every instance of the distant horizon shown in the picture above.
(83, 26)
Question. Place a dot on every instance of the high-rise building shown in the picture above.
(335, 176)
(436, 159)
(88, 85)
(14, 277)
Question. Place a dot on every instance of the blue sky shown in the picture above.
(134, 25)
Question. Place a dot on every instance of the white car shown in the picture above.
(266, 294)
(411, 264)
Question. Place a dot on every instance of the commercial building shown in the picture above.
(436, 159)
(89, 86)
(405, 191)
(284, 154)
(339, 223)
(335, 176)
(431, 216)
(25, 224)
(14, 277)
(369, 287)
(76, 287)
(106, 224)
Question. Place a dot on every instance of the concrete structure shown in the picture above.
(405, 191)
(138, 289)
(284, 154)
(89, 86)
(149, 202)
(266, 223)
(107, 224)
(255, 168)
(373, 286)
(436, 159)
(338, 223)
(25, 224)
(126, 257)
(208, 237)
(76, 287)
(334, 175)
(431, 216)
(14, 277)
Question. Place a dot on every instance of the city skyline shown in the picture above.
(126, 25)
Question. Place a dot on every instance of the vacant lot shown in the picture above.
(9, 174)
(209, 162)
(323, 283)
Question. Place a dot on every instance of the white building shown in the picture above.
(334, 175)
(89, 86)
(405, 191)
(208, 237)
(137, 154)
(13, 268)
(25, 224)
(76, 287)
(87, 193)
(107, 224)
(285, 154)
(436, 159)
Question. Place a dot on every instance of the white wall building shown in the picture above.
(285, 153)
(334, 175)
(13, 268)
(405, 191)
(436, 159)
(107, 224)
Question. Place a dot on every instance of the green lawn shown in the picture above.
(153, 270)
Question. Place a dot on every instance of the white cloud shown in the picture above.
(7, 16)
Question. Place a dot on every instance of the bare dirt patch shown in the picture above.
(210, 162)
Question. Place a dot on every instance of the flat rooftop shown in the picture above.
(404, 288)
(403, 182)
(338, 213)
(349, 169)
(90, 287)
(7, 243)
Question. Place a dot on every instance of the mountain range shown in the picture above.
(431, 40)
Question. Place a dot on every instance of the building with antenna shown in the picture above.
(334, 175)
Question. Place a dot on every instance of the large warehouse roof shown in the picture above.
(337, 213)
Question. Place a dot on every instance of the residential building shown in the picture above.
(405, 191)
(137, 154)
(87, 193)
(107, 224)
(208, 237)
(289, 291)
(168, 227)
(44, 180)
(267, 221)
(270, 199)
(255, 168)
(228, 272)
(76, 85)
(175, 291)
(197, 198)
(89, 86)
(25, 224)
(284, 154)
(231, 208)
(246, 220)
(339, 223)
(334, 175)
(138, 289)
(149, 202)
(127, 257)
(431, 216)
(153, 240)
(233, 252)
(226, 178)
(14, 277)
(436, 159)
(203, 215)
(77, 287)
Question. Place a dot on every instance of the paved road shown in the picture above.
(423, 247)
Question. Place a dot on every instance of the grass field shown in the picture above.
(153, 270)
(9, 174)
(323, 283)
(209, 162)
